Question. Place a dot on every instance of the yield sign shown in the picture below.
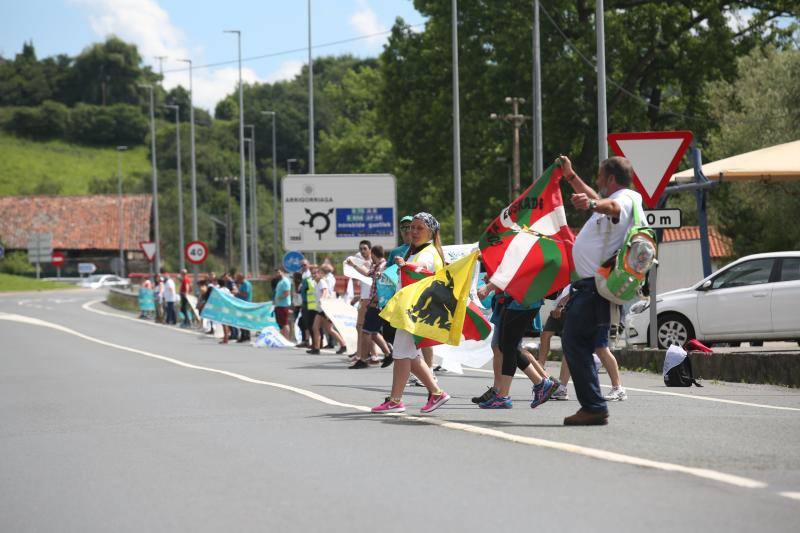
(654, 156)
(149, 249)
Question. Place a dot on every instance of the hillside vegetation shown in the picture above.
(57, 167)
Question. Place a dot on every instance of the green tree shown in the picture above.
(759, 109)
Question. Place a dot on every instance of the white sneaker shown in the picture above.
(560, 393)
(617, 394)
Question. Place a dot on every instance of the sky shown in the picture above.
(185, 29)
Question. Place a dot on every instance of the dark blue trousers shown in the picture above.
(586, 313)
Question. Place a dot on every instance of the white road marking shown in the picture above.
(678, 394)
(477, 430)
(791, 495)
(88, 307)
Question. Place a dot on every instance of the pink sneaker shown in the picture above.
(434, 402)
(389, 407)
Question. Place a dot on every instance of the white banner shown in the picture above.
(344, 316)
(352, 273)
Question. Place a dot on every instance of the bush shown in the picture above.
(16, 263)
(44, 122)
(116, 124)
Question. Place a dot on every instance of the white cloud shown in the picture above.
(145, 24)
(286, 71)
(366, 22)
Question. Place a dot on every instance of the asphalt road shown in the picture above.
(109, 423)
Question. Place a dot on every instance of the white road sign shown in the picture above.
(663, 218)
(40, 247)
(336, 211)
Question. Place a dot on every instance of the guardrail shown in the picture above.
(122, 299)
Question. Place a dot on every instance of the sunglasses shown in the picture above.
(405, 229)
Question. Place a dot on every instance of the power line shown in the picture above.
(292, 51)
(611, 81)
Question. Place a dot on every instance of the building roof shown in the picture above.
(76, 222)
(720, 246)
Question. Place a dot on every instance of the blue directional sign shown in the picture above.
(293, 261)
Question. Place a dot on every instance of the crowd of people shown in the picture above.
(581, 316)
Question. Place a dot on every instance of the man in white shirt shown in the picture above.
(170, 297)
(587, 322)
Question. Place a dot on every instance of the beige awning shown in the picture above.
(776, 163)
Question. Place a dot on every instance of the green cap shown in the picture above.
(407, 218)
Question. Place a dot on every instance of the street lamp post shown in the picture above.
(242, 199)
(228, 229)
(456, 126)
(194, 169)
(516, 120)
(156, 232)
(120, 149)
(311, 167)
(602, 125)
(275, 191)
(253, 206)
(181, 241)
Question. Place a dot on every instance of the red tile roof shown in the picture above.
(720, 245)
(76, 222)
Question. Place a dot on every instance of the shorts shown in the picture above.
(373, 323)
(404, 346)
(495, 335)
(282, 316)
(556, 325)
(311, 315)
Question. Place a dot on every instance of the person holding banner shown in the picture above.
(324, 288)
(373, 323)
(425, 251)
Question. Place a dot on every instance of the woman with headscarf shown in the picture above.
(425, 251)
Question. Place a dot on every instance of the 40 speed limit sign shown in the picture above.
(196, 252)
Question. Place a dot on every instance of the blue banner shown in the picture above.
(365, 222)
(227, 309)
(146, 300)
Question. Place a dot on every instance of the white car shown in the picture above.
(97, 281)
(753, 299)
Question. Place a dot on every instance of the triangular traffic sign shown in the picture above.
(149, 249)
(654, 156)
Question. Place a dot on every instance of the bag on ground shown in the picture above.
(678, 369)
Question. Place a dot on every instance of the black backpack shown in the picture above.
(681, 375)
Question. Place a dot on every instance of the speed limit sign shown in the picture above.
(196, 252)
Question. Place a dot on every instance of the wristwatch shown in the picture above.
(592, 205)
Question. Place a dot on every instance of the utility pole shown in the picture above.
(242, 199)
(157, 239)
(253, 214)
(194, 172)
(602, 120)
(516, 120)
(181, 240)
(311, 167)
(275, 191)
(538, 165)
(228, 226)
(120, 149)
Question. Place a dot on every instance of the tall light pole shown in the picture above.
(242, 199)
(156, 232)
(311, 166)
(194, 167)
(602, 125)
(120, 149)
(538, 167)
(456, 128)
(516, 120)
(253, 208)
(228, 224)
(181, 241)
(275, 191)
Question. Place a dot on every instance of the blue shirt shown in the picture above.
(246, 287)
(283, 286)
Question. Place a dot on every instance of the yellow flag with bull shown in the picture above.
(434, 307)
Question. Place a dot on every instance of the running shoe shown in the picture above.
(341, 350)
(389, 407)
(497, 402)
(388, 360)
(490, 392)
(542, 392)
(434, 402)
(414, 381)
(617, 394)
(560, 393)
(313, 351)
(359, 364)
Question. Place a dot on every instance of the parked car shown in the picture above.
(98, 281)
(753, 299)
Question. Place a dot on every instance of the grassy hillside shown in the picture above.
(10, 283)
(57, 167)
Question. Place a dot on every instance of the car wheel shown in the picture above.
(673, 329)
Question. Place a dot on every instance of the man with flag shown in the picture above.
(588, 317)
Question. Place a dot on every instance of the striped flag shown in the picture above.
(527, 249)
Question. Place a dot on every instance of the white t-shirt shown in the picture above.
(169, 291)
(330, 279)
(588, 253)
